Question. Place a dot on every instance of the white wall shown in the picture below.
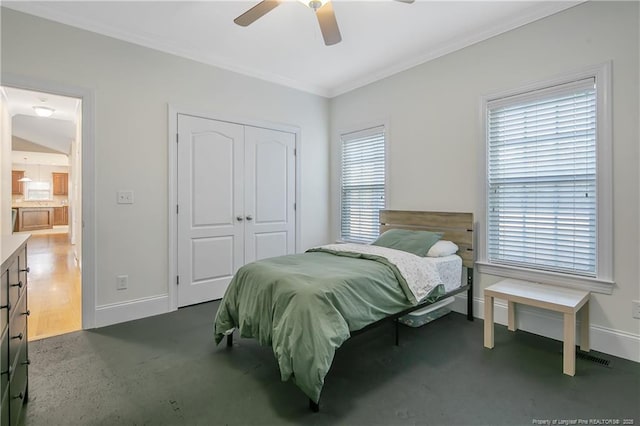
(5, 167)
(132, 87)
(434, 136)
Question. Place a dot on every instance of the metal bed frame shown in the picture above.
(456, 227)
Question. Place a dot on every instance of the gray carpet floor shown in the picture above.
(166, 370)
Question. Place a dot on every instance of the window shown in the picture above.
(37, 190)
(545, 197)
(362, 188)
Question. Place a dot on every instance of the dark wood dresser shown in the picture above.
(14, 357)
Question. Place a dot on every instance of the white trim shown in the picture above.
(454, 45)
(172, 184)
(88, 213)
(43, 11)
(524, 18)
(550, 324)
(546, 277)
(604, 281)
(115, 313)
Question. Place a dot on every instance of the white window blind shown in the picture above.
(362, 185)
(541, 163)
(38, 190)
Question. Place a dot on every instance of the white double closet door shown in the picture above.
(236, 202)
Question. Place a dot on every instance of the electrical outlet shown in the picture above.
(635, 305)
(122, 282)
(125, 197)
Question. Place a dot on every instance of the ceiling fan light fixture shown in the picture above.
(314, 4)
(43, 111)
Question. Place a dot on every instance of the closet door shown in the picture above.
(211, 212)
(269, 201)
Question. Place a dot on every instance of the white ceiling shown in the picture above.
(56, 132)
(379, 38)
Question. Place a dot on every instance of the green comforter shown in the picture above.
(306, 305)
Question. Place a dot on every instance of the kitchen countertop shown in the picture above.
(36, 204)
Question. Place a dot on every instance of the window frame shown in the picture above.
(351, 131)
(29, 190)
(603, 281)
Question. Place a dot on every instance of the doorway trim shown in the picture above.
(88, 213)
(172, 184)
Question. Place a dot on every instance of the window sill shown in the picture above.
(583, 283)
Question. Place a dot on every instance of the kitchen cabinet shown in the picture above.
(60, 183)
(34, 218)
(17, 187)
(14, 356)
(60, 215)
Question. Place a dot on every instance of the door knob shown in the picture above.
(249, 217)
(239, 218)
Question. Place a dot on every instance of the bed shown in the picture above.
(305, 306)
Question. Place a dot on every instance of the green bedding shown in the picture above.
(306, 305)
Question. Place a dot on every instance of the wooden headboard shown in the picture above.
(457, 227)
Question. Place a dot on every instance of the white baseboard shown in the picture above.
(550, 324)
(115, 313)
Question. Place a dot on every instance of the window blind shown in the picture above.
(362, 184)
(542, 179)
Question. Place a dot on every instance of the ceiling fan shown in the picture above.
(322, 8)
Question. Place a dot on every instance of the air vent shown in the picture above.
(583, 355)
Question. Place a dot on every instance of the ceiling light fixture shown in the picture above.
(313, 4)
(43, 111)
(24, 178)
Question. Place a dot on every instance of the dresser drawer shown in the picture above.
(5, 372)
(17, 327)
(16, 285)
(23, 270)
(4, 298)
(4, 414)
(18, 388)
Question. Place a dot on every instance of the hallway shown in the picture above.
(55, 298)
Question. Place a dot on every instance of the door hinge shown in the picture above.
(294, 206)
(177, 279)
(295, 151)
(177, 137)
(177, 208)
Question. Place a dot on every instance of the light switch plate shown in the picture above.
(125, 197)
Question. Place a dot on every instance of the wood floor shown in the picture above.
(54, 289)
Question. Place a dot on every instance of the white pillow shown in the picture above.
(442, 248)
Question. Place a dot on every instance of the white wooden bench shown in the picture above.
(560, 299)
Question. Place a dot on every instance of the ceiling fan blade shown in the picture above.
(406, 1)
(328, 24)
(257, 11)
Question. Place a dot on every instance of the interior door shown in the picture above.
(269, 193)
(211, 212)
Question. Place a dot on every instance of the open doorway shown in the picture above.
(46, 140)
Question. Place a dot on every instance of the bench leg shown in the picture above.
(511, 313)
(584, 328)
(229, 340)
(488, 322)
(569, 347)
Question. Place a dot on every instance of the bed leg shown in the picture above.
(470, 294)
(397, 332)
(314, 406)
(229, 340)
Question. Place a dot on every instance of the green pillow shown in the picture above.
(416, 242)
